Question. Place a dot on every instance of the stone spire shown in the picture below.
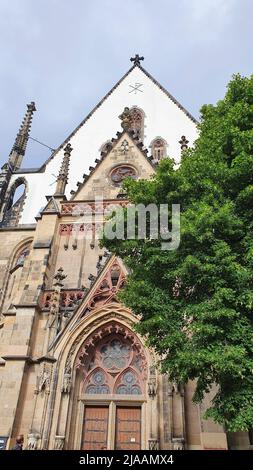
(19, 147)
(62, 178)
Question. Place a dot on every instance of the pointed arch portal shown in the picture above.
(111, 374)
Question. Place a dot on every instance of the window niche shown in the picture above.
(158, 148)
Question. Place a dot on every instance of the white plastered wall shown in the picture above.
(162, 118)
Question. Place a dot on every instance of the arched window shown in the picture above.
(158, 149)
(20, 257)
(137, 122)
(14, 203)
(113, 365)
(14, 282)
(111, 369)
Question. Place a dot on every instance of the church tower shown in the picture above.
(9, 211)
(74, 374)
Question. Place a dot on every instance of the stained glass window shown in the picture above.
(129, 385)
(113, 366)
(97, 384)
(115, 355)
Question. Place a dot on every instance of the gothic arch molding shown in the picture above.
(13, 209)
(110, 320)
(118, 354)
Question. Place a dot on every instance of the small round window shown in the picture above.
(121, 172)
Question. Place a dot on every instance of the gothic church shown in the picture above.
(73, 372)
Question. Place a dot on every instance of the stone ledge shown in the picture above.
(18, 228)
(29, 359)
(46, 244)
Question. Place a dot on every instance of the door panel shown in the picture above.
(95, 428)
(128, 428)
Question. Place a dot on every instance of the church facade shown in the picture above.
(74, 374)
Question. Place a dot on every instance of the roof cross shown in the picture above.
(137, 59)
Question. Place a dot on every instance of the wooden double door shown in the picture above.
(125, 428)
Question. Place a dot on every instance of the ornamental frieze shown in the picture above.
(90, 207)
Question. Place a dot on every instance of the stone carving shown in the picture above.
(81, 208)
(110, 284)
(66, 385)
(125, 119)
(121, 172)
(109, 315)
(112, 361)
(178, 443)
(33, 440)
(59, 442)
(124, 148)
(177, 388)
(184, 143)
(44, 380)
(68, 298)
(153, 444)
(152, 383)
(152, 387)
(137, 122)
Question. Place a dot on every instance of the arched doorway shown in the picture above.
(111, 372)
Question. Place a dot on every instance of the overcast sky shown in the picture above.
(66, 54)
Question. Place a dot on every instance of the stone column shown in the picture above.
(153, 440)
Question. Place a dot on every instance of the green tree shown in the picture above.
(196, 303)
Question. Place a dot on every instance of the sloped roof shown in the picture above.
(171, 97)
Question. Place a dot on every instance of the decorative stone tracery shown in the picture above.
(158, 149)
(137, 122)
(33, 441)
(112, 361)
(82, 208)
(59, 442)
(121, 172)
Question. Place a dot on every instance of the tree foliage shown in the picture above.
(196, 303)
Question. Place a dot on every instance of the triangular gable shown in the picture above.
(163, 117)
(169, 95)
(103, 291)
(125, 149)
(51, 207)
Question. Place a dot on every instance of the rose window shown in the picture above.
(115, 355)
(114, 365)
(121, 172)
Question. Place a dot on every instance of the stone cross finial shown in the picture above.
(137, 59)
(184, 143)
(59, 277)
